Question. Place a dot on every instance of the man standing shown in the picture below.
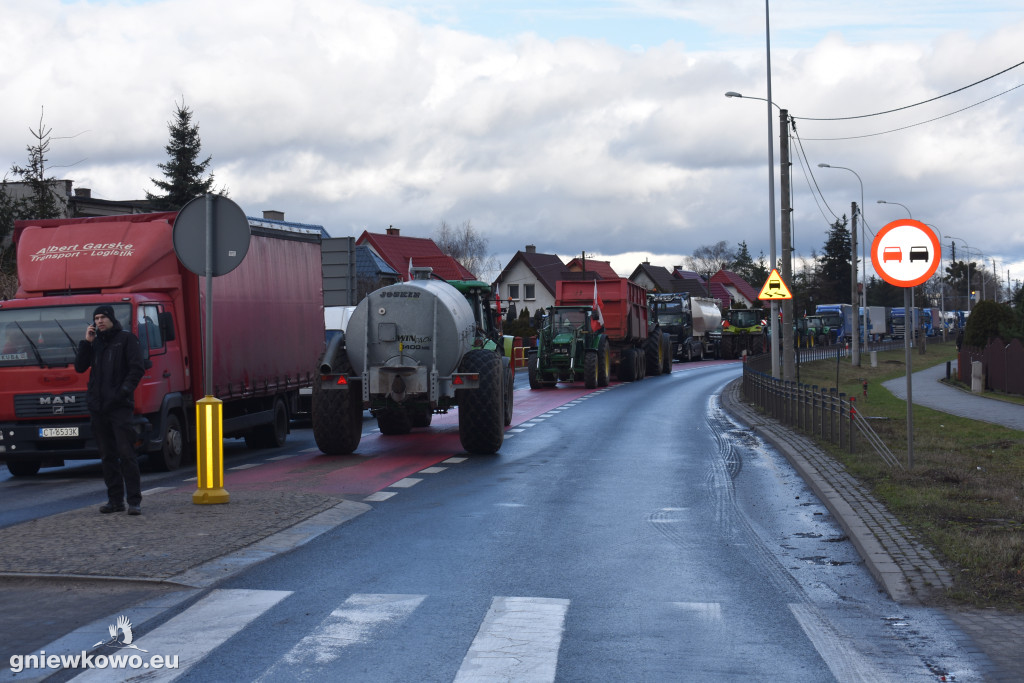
(115, 357)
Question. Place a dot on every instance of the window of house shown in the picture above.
(513, 292)
(529, 292)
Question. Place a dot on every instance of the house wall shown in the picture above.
(520, 274)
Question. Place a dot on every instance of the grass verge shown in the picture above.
(964, 496)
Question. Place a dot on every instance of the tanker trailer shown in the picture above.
(411, 350)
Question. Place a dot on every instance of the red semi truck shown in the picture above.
(268, 326)
(636, 349)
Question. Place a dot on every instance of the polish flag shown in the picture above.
(408, 273)
(597, 320)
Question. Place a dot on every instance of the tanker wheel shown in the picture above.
(481, 410)
(652, 350)
(604, 363)
(666, 354)
(337, 418)
(510, 385)
(394, 422)
(23, 468)
(173, 448)
(590, 370)
(626, 365)
(421, 417)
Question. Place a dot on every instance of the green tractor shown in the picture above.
(743, 331)
(810, 331)
(569, 350)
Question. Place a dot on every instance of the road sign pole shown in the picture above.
(908, 302)
(210, 410)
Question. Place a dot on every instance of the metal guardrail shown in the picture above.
(824, 412)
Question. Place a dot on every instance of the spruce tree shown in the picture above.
(183, 170)
(834, 285)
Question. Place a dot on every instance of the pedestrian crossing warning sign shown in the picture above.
(774, 288)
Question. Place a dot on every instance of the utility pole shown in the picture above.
(854, 300)
(788, 348)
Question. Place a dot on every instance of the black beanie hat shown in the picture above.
(105, 310)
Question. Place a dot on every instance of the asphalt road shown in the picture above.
(633, 533)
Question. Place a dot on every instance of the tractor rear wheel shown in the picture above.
(481, 410)
(604, 363)
(590, 370)
(666, 354)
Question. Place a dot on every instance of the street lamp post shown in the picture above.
(864, 277)
(787, 305)
(969, 250)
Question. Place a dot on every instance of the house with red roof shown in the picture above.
(697, 286)
(402, 252)
(529, 279)
(603, 269)
(739, 289)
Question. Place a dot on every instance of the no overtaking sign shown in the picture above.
(905, 253)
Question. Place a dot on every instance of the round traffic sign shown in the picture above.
(230, 234)
(905, 252)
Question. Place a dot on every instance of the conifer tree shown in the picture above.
(183, 172)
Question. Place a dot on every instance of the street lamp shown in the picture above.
(882, 201)
(864, 274)
(774, 322)
(969, 250)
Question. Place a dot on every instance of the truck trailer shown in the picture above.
(268, 334)
(692, 323)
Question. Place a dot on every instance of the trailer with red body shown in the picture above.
(268, 333)
(637, 347)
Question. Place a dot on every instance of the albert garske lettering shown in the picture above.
(109, 246)
(401, 295)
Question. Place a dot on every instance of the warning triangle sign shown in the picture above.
(774, 288)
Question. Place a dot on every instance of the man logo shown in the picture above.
(56, 400)
(58, 410)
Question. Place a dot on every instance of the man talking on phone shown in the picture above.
(115, 358)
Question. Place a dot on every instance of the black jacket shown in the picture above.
(115, 357)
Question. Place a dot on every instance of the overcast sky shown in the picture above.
(573, 125)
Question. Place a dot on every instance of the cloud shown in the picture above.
(362, 115)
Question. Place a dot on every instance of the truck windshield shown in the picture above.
(831, 319)
(47, 335)
(669, 312)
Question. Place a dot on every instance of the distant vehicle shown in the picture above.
(892, 254)
(918, 254)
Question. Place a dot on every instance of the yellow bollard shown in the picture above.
(210, 452)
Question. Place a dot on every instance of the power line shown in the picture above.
(912, 125)
(917, 104)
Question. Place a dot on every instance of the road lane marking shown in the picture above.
(157, 489)
(518, 641)
(244, 467)
(432, 470)
(406, 483)
(843, 659)
(379, 496)
(454, 461)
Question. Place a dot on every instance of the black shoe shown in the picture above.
(134, 510)
(112, 507)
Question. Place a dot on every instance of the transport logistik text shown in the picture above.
(90, 248)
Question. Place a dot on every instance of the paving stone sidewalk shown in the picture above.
(899, 562)
(172, 535)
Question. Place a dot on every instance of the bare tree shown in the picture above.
(467, 246)
(708, 259)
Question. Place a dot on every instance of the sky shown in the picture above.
(577, 126)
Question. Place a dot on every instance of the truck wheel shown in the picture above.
(590, 370)
(169, 457)
(394, 422)
(627, 365)
(481, 412)
(23, 468)
(337, 418)
(272, 435)
(652, 350)
(604, 363)
(666, 354)
(421, 417)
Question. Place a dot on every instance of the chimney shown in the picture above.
(531, 248)
(393, 231)
(272, 215)
(83, 193)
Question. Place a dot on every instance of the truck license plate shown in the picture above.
(57, 432)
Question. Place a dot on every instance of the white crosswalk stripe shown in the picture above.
(354, 622)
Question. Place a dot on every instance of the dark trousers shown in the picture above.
(115, 438)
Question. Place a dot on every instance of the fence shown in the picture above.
(824, 413)
(1002, 365)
